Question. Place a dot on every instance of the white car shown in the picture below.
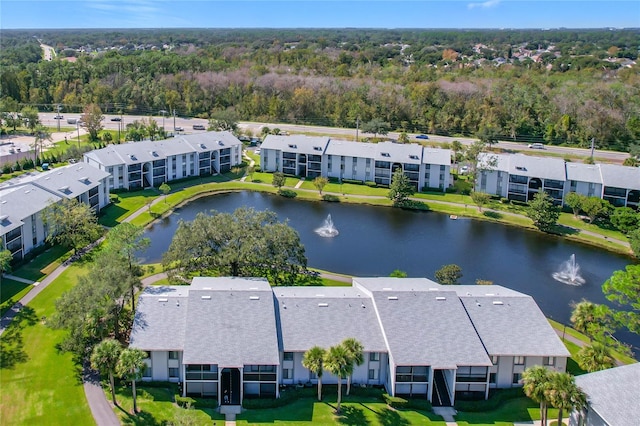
(464, 170)
(257, 151)
(536, 146)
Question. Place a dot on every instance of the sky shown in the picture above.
(41, 14)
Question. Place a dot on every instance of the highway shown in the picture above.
(185, 125)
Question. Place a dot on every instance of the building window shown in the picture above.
(287, 373)
(173, 355)
(374, 356)
(492, 377)
(516, 378)
(518, 360)
(373, 374)
(146, 372)
(288, 356)
(548, 360)
(173, 373)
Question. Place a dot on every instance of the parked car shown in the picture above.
(179, 129)
(422, 137)
(464, 170)
(199, 127)
(58, 117)
(536, 146)
(116, 119)
(72, 120)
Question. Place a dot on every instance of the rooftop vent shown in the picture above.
(253, 288)
(385, 154)
(293, 146)
(386, 288)
(433, 289)
(317, 148)
(254, 297)
(489, 294)
(220, 143)
(524, 169)
(205, 297)
(63, 189)
(413, 157)
(4, 217)
(84, 179)
(203, 146)
(319, 295)
(163, 300)
(498, 302)
(323, 305)
(392, 298)
(27, 191)
(133, 157)
(441, 298)
(155, 154)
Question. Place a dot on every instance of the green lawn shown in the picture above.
(10, 292)
(43, 264)
(124, 205)
(39, 384)
(513, 410)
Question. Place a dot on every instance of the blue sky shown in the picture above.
(318, 14)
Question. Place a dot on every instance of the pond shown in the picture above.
(374, 241)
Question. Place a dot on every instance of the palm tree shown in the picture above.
(563, 393)
(41, 134)
(355, 350)
(130, 366)
(313, 361)
(104, 358)
(535, 380)
(595, 357)
(591, 319)
(338, 363)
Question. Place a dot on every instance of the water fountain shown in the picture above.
(569, 272)
(327, 229)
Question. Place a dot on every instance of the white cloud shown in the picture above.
(484, 5)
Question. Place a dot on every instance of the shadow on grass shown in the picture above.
(564, 230)
(351, 415)
(142, 418)
(492, 215)
(110, 214)
(11, 344)
(388, 417)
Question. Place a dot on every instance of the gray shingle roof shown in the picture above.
(584, 172)
(296, 143)
(424, 327)
(399, 152)
(232, 324)
(540, 167)
(620, 176)
(160, 320)
(614, 394)
(21, 202)
(71, 181)
(436, 156)
(325, 316)
(351, 149)
(513, 325)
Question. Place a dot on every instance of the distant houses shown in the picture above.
(242, 338)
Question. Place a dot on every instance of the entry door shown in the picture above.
(230, 386)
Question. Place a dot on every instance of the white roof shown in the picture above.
(410, 153)
(72, 180)
(539, 167)
(581, 172)
(21, 202)
(296, 143)
(620, 176)
(436, 156)
(351, 149)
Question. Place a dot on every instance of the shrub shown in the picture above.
(258, 169)
(331, 198)
(184, 401)
(395, 401)
(496, 399)
(419, 404)
(287, 396)
(371, 184)
(288, 193)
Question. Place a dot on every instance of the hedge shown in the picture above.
(496, 399)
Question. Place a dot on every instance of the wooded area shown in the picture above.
(558, 86)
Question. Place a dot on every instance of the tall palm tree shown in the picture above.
(563, 393)
(338, 363)
(104, 358)
(313, 360)
(355, 350)
(591, 319)
(595, 357)
(535, 380)
(130, 366)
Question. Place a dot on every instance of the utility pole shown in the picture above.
(357, 127)
(163, 112)
(593, 146)
(78, 129)
(58, 116)
(174, 121)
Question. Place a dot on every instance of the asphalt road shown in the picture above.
(185, 125)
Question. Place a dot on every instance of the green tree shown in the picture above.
(634, 242)
(488, 135)
(623, 288)
(594, 207)
(130, 366)
(573, 200)
(543, 212)
(313, 360)
(592, 319)
(244, 243)
(320, 182)
(480, 199)
(456, 148)
(400, 189)
(126, 240)
(42, 135)
(30, 118)
(535, 381)
(104, 358)
(338, 363)
(356, 356)
(563, 393)
(71, 223)
(403, 138)
(5, 262)
(625, 219)
(449, 274)
(278, 179)
(165, 189)
(376, 126)
(250, 171)
(397, 273)
(595, 357)
(92, 120)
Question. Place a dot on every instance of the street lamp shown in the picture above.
(78, 129)
(163, 112)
